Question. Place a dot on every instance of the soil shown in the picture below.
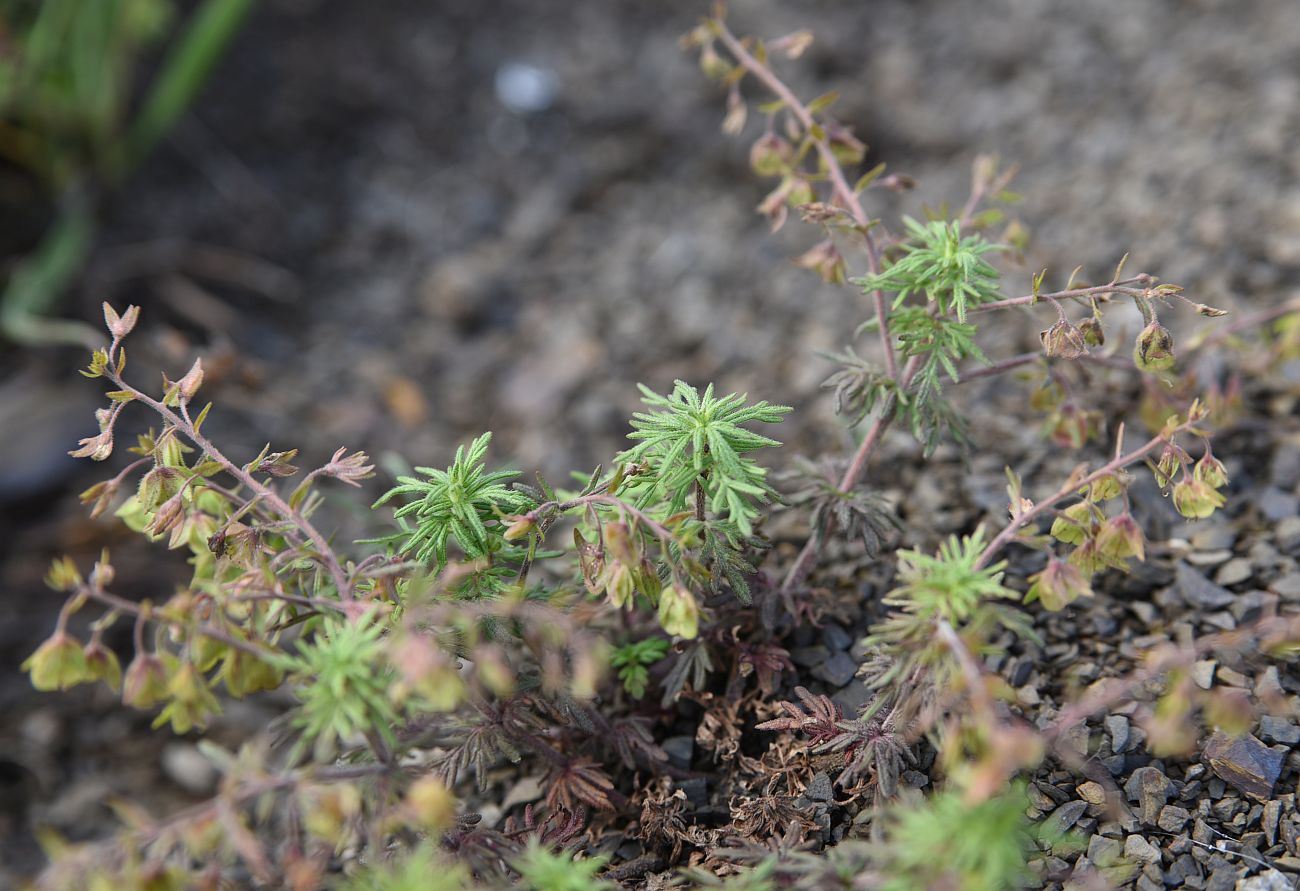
(394, 226)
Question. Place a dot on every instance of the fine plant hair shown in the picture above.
(497, 619)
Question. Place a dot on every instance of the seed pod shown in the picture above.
(1154, 350)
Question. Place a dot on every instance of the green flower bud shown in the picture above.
(58, 664)
(678, 612)
(190, 703)
(770, 155)
(1072, 527)
(1121, 538)
(1093, 334)
(1059, 585)
(619, 587)
(145, 682)
(1210, 470)
(1196, 499)
(102, 664)
(1154, 350)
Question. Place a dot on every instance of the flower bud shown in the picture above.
(190, 703)
(102, 664)
(1154, 350)
(1093, 334)
(58, 664)
(620, 586)
(145, 683)
(1121, 537)
(1196, 499)
(190, 383)
(1072, 525)
(519, 528)
(825, 259)
(770, 155)
(712, 64)
(1063, 341)
(1210, 470)
(1059, 585)
(678, 612)
(120, 326)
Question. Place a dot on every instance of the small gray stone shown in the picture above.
(1139, 849)
(1172, 818)
(853, 697)
(837, 671)
(1212, 537)
(809, 656)
(1103, 852)
(1270, 880)
(1276, 504)
(1268, 820)
(1203, 673)
(1287, 587)
(1151, 789)
(1197, 590)
(1278, 730)
(188, 768)
(1222, 879)
(835, 637)
(1244, 762)
(1234, 572)
(1118, 728)
(680, 750)
(1060, 820)
(1184, 868)
(819, 788)
(1286, 535)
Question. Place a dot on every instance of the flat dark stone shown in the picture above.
(819, 788)
(1245, 762)
(1197, 590)
(837, 671)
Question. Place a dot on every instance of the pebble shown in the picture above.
(819, 788)
(809, 656)
(188, 768)
(1234, 572)
(853, 697)
(1245, 762)
(1216, 537)
(680, 750)
(1270, 880)
(1276, 504)
(1138, 848)
(1286, 535)
(1278, 730)
(835, 637)
(1287, 587)
(1064, 817)
(838, 670)
(1197, 590)
(1093, 793)
(1103, 852)
(1153, 789)
(1173, 818)
(1118, 728)
(1268, 820)
(1203, 673)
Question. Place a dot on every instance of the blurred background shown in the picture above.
(393, 225)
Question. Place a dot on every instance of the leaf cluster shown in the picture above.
(690, 440)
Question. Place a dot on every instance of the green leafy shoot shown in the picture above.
(689, 439)
(633, 661)
(947, 842)
(541, 869)
(941, 342)
(464, 502)
(343, 679)
(949, 585)
(938, 262)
